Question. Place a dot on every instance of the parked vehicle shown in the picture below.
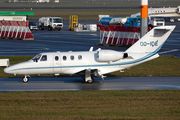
(156, 21)
(51, 23)
(33, 26)
(132, 21)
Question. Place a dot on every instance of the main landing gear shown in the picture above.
(87, 78)
(25, 79)
(89, 73)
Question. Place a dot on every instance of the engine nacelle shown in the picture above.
(109, 55)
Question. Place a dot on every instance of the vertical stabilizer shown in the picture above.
(152, 41)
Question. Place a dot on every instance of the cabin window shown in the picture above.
(64, 58)
(44, 58)
(56, 58)
(72, 57)
(80, 57)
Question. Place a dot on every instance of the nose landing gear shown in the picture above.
(25, 79)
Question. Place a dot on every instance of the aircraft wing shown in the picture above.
(93, 72)
(82, 72)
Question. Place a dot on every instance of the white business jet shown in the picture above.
(89, 64)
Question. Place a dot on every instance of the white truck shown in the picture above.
(51, 23)
(156, 21)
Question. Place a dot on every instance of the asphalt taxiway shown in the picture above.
(76, 83)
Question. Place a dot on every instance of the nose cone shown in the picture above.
(17, 69)
(8, 70)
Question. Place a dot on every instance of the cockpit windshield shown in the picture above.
(57, 20)
(36, 58)
(159, 19)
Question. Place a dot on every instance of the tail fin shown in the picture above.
(152, 41)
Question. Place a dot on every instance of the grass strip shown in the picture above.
(90, 105)
(162, 66)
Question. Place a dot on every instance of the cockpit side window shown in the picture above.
(36, 58)
(44, 58)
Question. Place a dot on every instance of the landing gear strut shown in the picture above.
(88, 78)
(25, 79)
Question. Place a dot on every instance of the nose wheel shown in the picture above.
(25, 79)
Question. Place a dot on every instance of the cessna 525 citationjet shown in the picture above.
(89, 64)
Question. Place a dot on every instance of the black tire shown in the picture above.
(49, 28)
(41, 27)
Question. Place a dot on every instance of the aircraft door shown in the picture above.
(57, 64)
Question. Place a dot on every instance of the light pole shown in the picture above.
(144, 17)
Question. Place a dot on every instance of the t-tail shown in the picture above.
(152, 41)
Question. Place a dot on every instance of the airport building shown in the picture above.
(14, 16)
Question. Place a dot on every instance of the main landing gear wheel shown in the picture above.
(25, 79)
(90, 81)
(87, 77)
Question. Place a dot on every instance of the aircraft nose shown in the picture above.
(7, 70)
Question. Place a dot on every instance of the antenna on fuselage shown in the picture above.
(91, 49)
